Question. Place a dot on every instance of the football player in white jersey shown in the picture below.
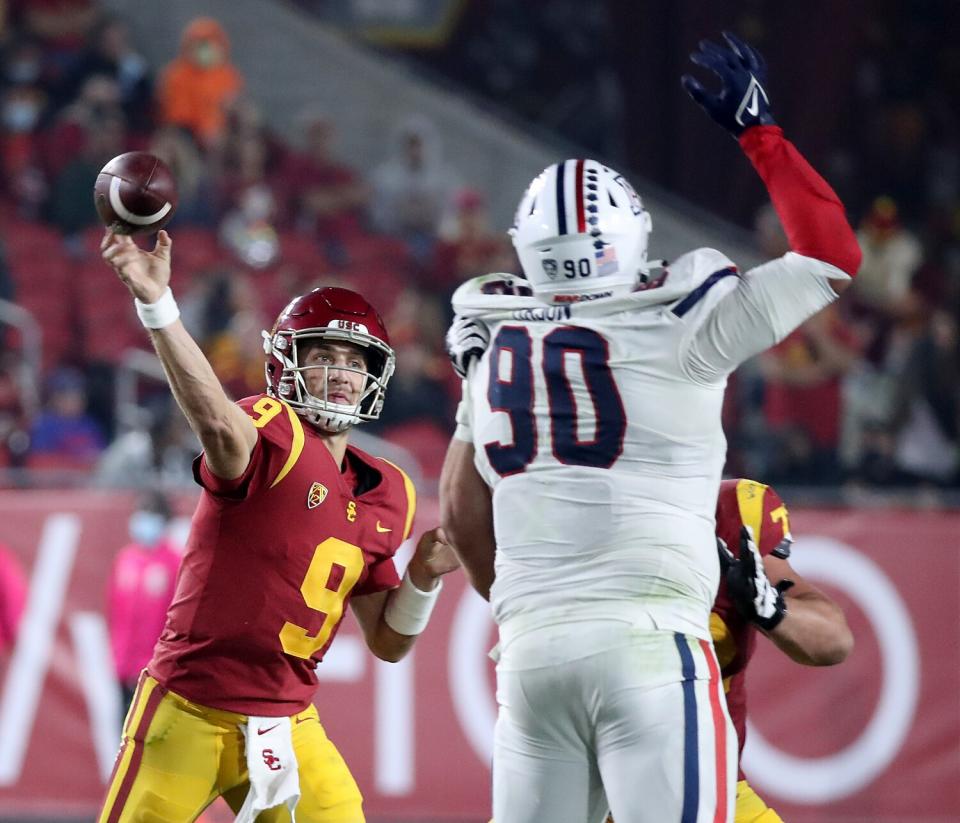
(590, 425)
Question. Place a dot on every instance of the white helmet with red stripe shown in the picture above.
(581, 233)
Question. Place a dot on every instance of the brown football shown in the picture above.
(135, 193)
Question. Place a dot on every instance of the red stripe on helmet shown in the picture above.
(581, 218)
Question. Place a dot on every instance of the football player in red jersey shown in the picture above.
(292, 524)
(759, 589)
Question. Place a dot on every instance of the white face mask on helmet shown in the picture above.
(581, 233)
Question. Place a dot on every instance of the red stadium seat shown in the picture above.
(107, 320)
(26, 240)
(302, 250)
(196, 250)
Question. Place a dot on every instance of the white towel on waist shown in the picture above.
(272, 766)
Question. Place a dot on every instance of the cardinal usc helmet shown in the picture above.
(334, 316)
(743, 502)
(581, 233)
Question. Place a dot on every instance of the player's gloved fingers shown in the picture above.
(697, 91)
(726, 556)
(752, 58)
(712, 63)
(739, 48)
(723, 55)
(757, 62)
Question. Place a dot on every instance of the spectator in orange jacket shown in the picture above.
(196, 88)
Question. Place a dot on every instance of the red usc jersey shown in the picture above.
(743, 503)
(271, 563)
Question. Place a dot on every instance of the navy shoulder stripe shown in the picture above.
(698, 293)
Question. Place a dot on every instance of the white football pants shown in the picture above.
(639, 726)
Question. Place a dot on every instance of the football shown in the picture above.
(135, 193)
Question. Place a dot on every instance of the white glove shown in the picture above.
(467, 338)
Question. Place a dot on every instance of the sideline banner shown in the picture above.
(851, 743)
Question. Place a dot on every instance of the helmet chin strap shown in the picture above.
(327, 423)
(332, 421)
(328, 420)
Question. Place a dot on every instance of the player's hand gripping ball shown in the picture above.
(135, 193)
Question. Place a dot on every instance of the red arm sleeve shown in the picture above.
(811, 213)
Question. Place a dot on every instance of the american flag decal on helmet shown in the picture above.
(607, 261)
(316, 495)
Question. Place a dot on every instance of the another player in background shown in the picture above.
(759, 589)
(594, 417)
(292, 524)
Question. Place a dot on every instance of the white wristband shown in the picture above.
(408, 611)
(160, 314)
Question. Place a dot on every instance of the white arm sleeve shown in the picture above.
(770, 301)
(464, 430)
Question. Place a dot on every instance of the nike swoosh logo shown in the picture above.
(382, 529)
(751, 101)
(299, 720)
(268, 729)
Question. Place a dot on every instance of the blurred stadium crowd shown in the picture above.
(865, 393)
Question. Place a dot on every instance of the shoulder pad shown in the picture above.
(690, 270)
(492, 292)
(697, 272)
(274, 418)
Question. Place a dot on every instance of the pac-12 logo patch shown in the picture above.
(316, 495)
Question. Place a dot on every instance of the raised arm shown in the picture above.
(770, 300)
(810, 211)
(226, 433)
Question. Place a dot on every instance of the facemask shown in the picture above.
(146, 528)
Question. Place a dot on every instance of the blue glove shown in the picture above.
(467, 340)
(742, 101)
